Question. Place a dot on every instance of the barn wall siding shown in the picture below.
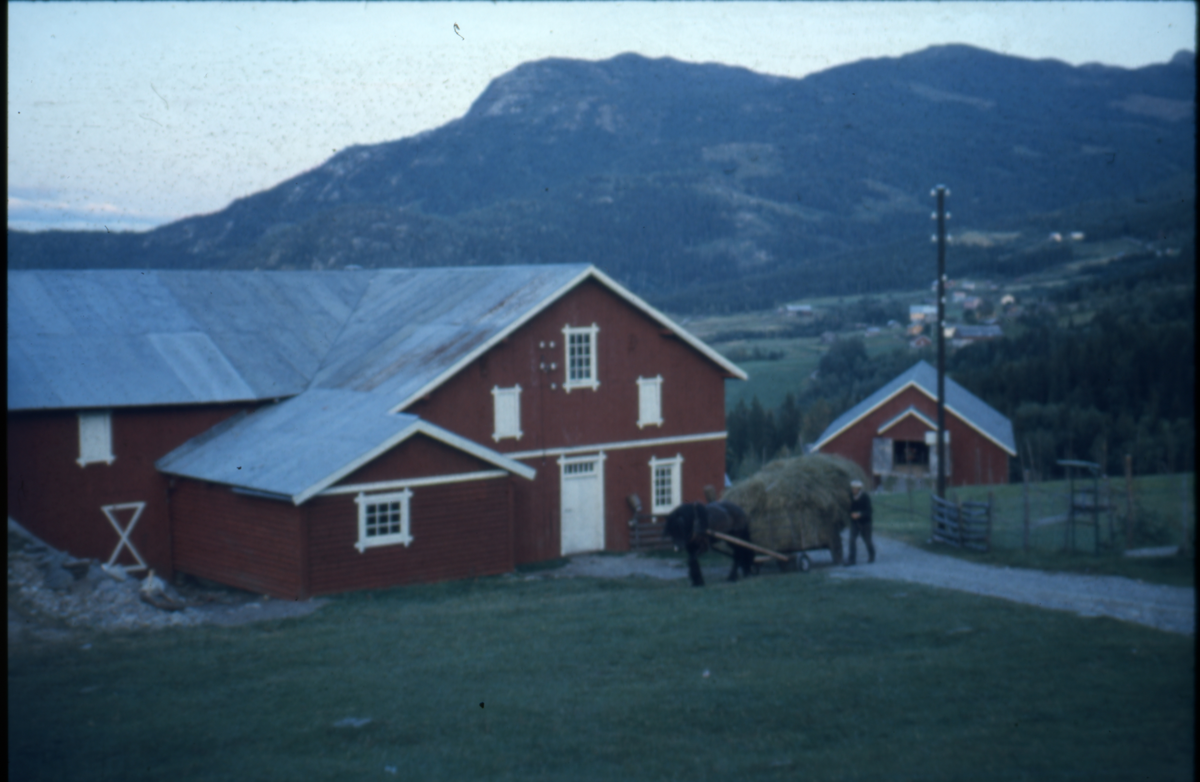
(627, 471)
(973, 458)
(59, 501)
(629, 345)
(908, 429)
(459, 531)
(246, 542)
(417, 457)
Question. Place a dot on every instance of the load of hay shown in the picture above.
(799, 503)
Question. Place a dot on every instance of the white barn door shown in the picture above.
(582, 503)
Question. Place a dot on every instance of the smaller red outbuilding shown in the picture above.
(329, 492)
(893, 432)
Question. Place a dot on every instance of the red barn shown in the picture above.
(301, 433)
(893, 432)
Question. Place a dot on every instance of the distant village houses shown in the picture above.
(962, 335)
(799, 310)
(921, 313)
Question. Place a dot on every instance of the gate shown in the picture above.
(962, 524)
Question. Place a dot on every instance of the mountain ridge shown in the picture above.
(669, 174)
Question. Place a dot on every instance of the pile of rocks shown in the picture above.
(83, 593)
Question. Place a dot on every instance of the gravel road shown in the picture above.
(1168, 608)
(1165, 607)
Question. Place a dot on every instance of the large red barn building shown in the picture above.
(303, 433)
(893, 433)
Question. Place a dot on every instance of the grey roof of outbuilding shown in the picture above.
(297, 448)
(124, 338)
(972, 410)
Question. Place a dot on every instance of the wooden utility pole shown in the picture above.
(940, 192)
(1025, 537)
(1128, 501)
(1184, 547)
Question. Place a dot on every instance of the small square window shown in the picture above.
(95, 438)
(580, 344)
(383, 519)
(649, 401)
(666, 484)
(506, 410)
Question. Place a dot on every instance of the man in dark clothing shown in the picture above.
(860, 521)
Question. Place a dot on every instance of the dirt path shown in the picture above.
(1168, 608)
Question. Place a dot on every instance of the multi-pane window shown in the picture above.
(580, 344)
(95, 438)
(506, 408)
(666, 484)
(579, 468)
(383, 519)
(649, 401)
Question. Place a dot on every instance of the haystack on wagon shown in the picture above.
(798, 505)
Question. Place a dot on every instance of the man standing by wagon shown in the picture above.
(860, 521)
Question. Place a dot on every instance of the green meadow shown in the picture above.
(780, 677)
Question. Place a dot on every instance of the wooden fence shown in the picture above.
(646, 533)
(962, 524)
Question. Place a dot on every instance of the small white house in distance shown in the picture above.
(919, 313)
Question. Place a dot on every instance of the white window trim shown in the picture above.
(402, 537)
(645, 383)
(501, 396)
(593, 382)
(676, 465)
(89, 453)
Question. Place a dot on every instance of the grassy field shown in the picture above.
(1158, 513)
(779, 677)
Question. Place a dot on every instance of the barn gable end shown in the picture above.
(892, 432)
(596, 425)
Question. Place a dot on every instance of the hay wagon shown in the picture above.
(795, 506)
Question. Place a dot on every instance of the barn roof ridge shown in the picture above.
(972, 410)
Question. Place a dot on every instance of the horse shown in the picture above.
(687, 526)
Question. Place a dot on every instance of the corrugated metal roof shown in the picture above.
(970, 408)
(413, 325)
(298, 447)
(120, 338)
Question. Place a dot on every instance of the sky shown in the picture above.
(126, 116)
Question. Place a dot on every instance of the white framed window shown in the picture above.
(506, 407)
(383, 519)
(95, 438)
(649, 401)
(666, 484)
(580, 345)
